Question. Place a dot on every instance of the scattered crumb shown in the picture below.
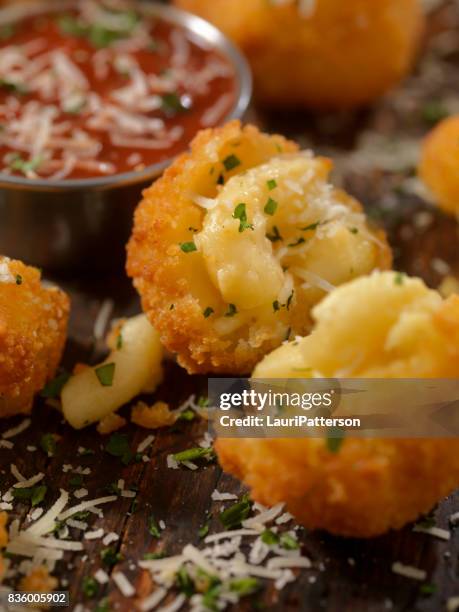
(38, 581)
(152, 417)
(112, 422)
(449, 286)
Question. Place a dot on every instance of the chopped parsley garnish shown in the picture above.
(103, 605)
(76, 481)
(110, 556)
(434, 111)
(427, 589)
(188, 247)
(203, 402)
(241, 214)
(426, 522)
(203, 531)
(276, 305)
(231, 162)
(335, 440)
(210, 597)
(153, 527)
(270, 207)
(207, 312)
(288, 542)
(171, 104)
(53, 388)
(275, 235)
(81, 516)
(105, 373)
(354, 230)
(97, 34)
(272, 184)
(90, 587)
(232, 310)
(184, 582)
(118, 446)
(289, 299)
(154, 556)
(35, 494)
(187, 415)
(192, 454)
(220, 180)
(48, 444)
(244, 586)
(269, 537)
(399, 278)
(18, 88)
(113, 488)
(119, 341)
(25, 165)
(297, 242)
(234, 515)
(18, 279)
(311, 227)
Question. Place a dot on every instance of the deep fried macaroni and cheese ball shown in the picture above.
(323, 53)
(237, 241)
(385, 325)
(439, 164)
(33, 323)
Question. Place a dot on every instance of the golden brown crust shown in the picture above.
(345, 54)
(156, 262)
(33, 323)
(369, 485)
(176, 287)
(367, 488)
(439, 162)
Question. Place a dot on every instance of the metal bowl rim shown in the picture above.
(204, 31)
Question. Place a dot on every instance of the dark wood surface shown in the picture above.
(351, 575)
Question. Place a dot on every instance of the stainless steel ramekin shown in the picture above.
(83, 224)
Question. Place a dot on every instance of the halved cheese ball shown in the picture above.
(237, 241)
(439, 164)
(33, 325)
(388, 326)
(320, 53)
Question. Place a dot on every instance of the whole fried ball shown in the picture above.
(237, 241)
(320, 53)
(385, 325)
(33, 323)
(439, 164)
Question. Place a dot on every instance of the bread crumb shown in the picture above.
(449, 286)
(112, 422)
(38, 581)
(152, 417)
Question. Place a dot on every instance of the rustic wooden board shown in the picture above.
(347, 575)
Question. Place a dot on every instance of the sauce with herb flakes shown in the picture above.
(103, 88)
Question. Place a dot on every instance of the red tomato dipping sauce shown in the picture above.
(102, 88)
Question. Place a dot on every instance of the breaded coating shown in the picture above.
(439, 164)
(237, 241)
(332, 54)
(3, 531)
(33, 324)
(39, 580)
(385, 325)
